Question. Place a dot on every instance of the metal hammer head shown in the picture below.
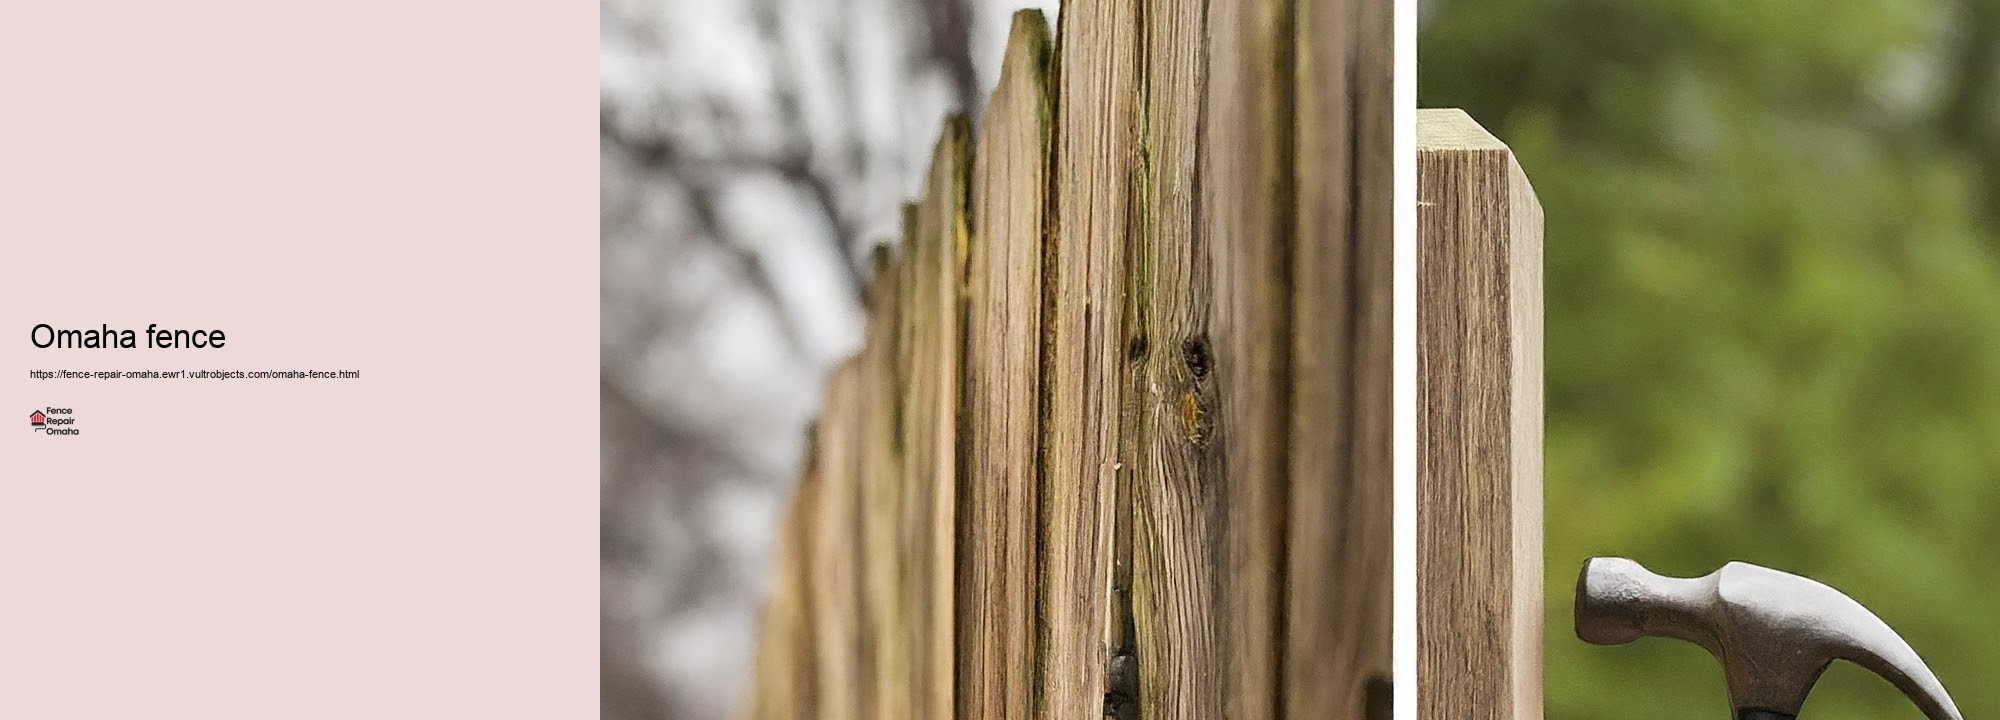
(1774, 632)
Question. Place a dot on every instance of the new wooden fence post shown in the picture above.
(1479, 426)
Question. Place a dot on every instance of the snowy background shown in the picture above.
(752, 150)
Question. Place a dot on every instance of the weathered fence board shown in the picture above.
(1085, 608)
(1177, 500)
(937, 258)
(1479, 426)
(1246, 161)
(1000, 491)
(1341, 504)
(1124, 394)
(1340, 522)
(835, 576)
(888, 606)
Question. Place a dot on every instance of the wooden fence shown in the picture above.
(1117, 444)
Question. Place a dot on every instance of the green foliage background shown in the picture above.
(1773, 316)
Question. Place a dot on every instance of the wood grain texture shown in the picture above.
(938, 254)
(1000, 489)
(1083, 621)
(1179, 488)
(1479, 426)
(1249, 217)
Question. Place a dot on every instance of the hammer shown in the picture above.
(1773, 632)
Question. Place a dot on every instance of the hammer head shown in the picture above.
(1773, 632)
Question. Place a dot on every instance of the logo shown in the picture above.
(54, 421)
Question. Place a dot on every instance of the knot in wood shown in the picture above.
(1194, 352)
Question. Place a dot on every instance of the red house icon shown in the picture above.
(37, 419)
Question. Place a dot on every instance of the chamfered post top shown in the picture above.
(1452, 129)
